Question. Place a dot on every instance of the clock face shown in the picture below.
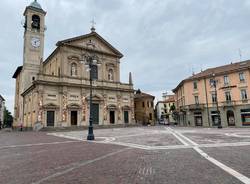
(35, 42)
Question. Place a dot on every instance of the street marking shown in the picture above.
(229, 170)
(237, 135)
(183, 142)
(146, 171)
(186, 144)
(78, 165)
(38, 144)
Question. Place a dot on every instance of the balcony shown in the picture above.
(196, 107)
(228, 103)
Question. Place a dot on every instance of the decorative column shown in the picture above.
(40, 108)
(84, 108)
(105, 109)
(64, 109)
(132, 109)
(119, 107)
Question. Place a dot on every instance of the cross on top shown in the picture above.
(93, 23)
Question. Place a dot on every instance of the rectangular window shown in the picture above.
(196, 99)
(143, 104)
(243, 94)
(242, 77)
(195, 84)
(148, 103)
(228, 96)
(226, 80)
(152, 104)
(214, 98)
(211, 82)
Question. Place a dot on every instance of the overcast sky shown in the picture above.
(163, 41)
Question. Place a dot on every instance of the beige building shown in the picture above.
(196, 96)
(55, 91)
(144, 108)
(2, 106)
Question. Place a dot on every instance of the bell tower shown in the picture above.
(34, 28)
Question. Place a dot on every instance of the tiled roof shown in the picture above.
(143, 95)
(233, 67)
(222, 69)
(18, 70)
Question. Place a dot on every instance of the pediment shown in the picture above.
(73, 106)
(100, 43)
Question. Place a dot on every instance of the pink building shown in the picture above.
(196, 96)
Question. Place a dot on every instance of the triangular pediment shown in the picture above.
(95, 39)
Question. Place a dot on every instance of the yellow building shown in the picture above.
(144, 108)
(196, 96)
(55, 92)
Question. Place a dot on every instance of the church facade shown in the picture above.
(55, 92)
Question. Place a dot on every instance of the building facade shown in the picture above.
(144, 108)
(2, 106)
(55, 92)
(196, 98)
(164, 108)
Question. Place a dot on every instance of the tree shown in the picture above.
(172, 107)
(8, 119)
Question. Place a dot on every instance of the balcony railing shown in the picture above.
(228, 103)
(196, 107)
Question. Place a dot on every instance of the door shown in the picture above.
(50, 118)
(73, 118)
(230, 118)
(126, 118)
(112, 117)
(95, 113)
(198, 120)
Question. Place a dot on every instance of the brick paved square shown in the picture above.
(159, 154)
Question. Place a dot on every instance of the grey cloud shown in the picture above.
(162, 41)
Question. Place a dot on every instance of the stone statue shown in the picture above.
(73, 69)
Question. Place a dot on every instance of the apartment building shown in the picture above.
(163, 108)
(228, 86)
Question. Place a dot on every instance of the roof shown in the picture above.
(224, 69)
(18, 70)
(143, 95)
(2, 98)
(93, 33)
(35, 4)
(171, 99)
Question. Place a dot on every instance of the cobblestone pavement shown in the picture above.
(138, 155)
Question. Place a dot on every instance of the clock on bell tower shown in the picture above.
(34, 28)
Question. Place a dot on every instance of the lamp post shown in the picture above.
(217, 105)
(89, 62)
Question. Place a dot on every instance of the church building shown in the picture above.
(55, 92)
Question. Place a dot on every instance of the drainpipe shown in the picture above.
(208, 118)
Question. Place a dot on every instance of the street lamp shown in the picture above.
(217, 105)
(90, 61)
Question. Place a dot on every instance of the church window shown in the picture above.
(110, 75)
(94, 72)
(73, 69)
(35, 22)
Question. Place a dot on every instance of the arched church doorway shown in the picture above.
(230, 118)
